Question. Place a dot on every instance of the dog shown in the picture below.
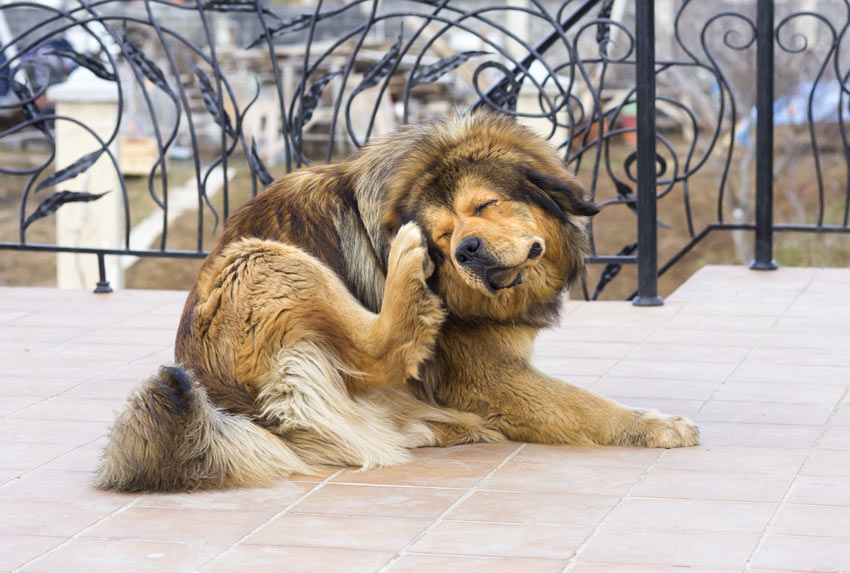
(354, 311)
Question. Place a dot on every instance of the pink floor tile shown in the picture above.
(828, 463)
(379, 501)
(37, 387)
(59, 432)
(689, 370)
(759, 360)
(48, 518)
(62, 408)
(643, 387)
(768, 371)
(758, 435)
(180, 524)
(679, 407)
(63, 486)
(81, 459)
(271, 499)
(25, 455)
(836, 438)
(340, 532)
(689, 514)
(423, 472)
(15, 550)
(635, 568)
(686, 484)
(564, 478)
(611, 457)
(539, 508)
(815, 520)
(108, 388)
(273, 559)
(793, 392)
(804, 553)
(506, 540)
(418, 563)
(495, 452)
(681, 351)
(764, 413)
(711, 338)
(734, 459)
(821, 490)
(682, 548)
(87, 555)
(11, 404)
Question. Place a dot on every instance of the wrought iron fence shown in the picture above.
(191, 77)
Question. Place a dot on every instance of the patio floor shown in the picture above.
(760, 359)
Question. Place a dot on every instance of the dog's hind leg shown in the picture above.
(269, 296)
(306, 402)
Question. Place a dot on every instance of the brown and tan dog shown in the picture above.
(354, 311)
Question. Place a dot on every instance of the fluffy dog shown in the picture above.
(353, 311)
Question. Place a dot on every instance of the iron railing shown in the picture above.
(338, 73)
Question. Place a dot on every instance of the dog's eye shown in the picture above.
(446, 236)
(485, 205)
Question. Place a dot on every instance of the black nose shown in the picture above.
(467, 250)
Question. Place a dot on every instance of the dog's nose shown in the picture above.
(467, 250)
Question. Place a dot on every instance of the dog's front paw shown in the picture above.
(653, 429)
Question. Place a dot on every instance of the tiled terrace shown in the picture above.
(760, 360)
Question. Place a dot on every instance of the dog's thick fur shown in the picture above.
(354, 311)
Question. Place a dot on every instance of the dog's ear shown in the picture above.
(559, 195)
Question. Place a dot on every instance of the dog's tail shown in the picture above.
(169, 437)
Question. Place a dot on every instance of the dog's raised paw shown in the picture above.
(409, 253)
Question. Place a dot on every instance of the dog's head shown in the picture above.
(505, 220)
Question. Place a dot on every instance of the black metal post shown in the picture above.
(646, 170)
(102, 284)
(764, 139)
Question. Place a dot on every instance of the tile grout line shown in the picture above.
(402, 552)
(596, 530)
(270, 520)
(783, 503)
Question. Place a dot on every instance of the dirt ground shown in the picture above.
(795, 202)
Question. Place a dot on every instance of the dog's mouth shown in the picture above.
(501, 278)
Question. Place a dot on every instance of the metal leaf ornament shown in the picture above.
(28, 106)
(284, 27)
(236, 6)
(52, 203)
(258, 166)
(90, 63)
(77, 167)
(149, 69)
(311, 98)
(380, 69)
(211, 100)
(611, 270)
(435, 71)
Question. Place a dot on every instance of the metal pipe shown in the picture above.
(764, 138)
(646, 170)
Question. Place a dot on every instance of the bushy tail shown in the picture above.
(169, 437)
